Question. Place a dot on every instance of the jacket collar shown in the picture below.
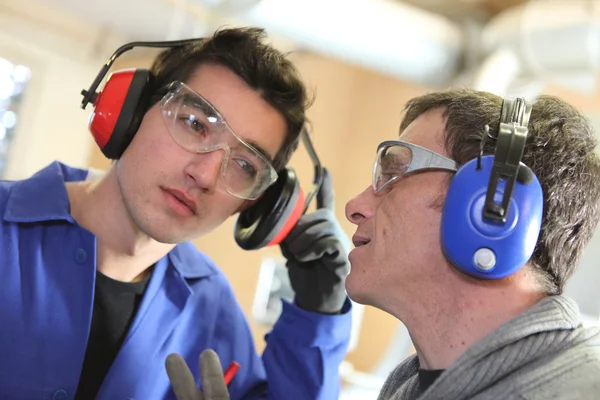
(190, 262)
(43, 197)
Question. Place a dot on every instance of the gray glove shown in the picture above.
(317, 250)
(184, 384)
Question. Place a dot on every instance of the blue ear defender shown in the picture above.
(493, 210)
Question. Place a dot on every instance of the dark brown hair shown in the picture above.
(560, 150)
(261, 66)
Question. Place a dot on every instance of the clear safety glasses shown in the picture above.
(396, 158)
(199, 128)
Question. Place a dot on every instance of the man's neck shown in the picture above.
(445, 321)
(123, 252)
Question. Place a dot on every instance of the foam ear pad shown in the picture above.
(271, 219)
(481, 247)
(119, 109)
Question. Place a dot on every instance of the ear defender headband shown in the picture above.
(270, 220)
(118, 112)
(493, 210)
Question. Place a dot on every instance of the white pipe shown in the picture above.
(383, 35)
(497, 72)
(549, 37)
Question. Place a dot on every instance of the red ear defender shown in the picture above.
(270, 220)
(108, 105)
(119, 109)
(295, 214)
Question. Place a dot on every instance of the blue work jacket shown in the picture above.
(47, 274)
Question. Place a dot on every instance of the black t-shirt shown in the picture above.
(115, 305)
(427, 377)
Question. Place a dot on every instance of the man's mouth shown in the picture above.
(360, 240)
(184, 199)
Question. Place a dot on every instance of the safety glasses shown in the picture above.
(396, 158)
(199, 128)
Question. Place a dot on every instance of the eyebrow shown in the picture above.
(202, 104)
(389, 159)
(258, 148)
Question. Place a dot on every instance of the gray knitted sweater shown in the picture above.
(544, 353)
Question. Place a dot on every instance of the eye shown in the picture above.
(388, 176)
(193, 123)
(247, 167)
(387, 179)
(393, 166)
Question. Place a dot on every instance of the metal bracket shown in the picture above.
(512, 135)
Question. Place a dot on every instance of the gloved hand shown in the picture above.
(317, 250)
(184, 384)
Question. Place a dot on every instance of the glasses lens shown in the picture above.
(247, 173)
(198, 128)
(391, 163)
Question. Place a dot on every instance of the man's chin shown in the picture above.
(176, 235)
(172, 238)
(169, 240)
(164, 232)
(355, 290)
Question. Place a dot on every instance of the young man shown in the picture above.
(99, 281)
(511, 337)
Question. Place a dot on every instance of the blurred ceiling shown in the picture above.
(149, 19)
(487, 44)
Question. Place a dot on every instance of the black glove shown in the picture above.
(184, 384)
(317, 250)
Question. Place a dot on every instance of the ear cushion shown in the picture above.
(119, 109)
(271, 219)
(481, 247)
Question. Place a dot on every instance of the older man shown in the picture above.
(477, 215)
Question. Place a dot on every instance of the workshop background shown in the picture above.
(362, 59)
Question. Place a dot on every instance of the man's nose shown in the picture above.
(205, 169)
(362, 206)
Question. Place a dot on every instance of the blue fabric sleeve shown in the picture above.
(233, 341)
(304, 351)
(302, 357)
